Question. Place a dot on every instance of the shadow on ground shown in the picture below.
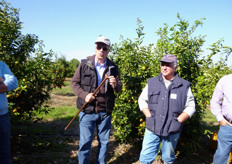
(48, 143)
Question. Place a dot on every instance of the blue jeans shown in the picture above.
(5, 139)
(151, 143)
(87, 123)
(224, 146)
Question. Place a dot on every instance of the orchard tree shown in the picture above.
(73, 64)
(135, 64)
(33, 67)
(61, 66)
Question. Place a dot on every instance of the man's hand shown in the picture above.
(89, 98)
(146, 112)
(1, 79)
(183, 117)
(112, 81)
(224, 123)
(3, 88)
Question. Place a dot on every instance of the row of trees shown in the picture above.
(37, 71)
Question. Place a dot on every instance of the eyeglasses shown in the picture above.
(104, 48)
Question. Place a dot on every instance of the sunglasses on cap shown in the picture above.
(104, 48)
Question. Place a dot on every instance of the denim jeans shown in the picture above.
(151, 143)
(87, 123)
(5, 139)
(224, 146)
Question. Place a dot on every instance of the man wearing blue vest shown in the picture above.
(167, 102)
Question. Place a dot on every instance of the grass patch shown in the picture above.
(65, 90)
(58, 113)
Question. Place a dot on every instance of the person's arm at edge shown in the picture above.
(10, 81)
(215, 104)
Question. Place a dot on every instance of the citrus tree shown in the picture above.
(73, 64)
(33, 67)
(135, 63)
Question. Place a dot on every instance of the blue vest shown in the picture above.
(166, 104)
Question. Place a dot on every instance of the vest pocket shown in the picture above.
(150, 123)
(86, 80)
(175, 126)
(86, 83)
(153, 97)
(80, 102)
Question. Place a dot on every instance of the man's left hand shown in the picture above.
(183, 117)
(1, 79)
(224, 123)
(113, 81)
(3, 88)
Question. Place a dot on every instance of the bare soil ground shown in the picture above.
(50, 144)
(59, 100)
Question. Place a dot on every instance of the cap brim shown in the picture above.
(166, 61)
(103, 43)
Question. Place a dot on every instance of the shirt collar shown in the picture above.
(96, 63)
(171, 80)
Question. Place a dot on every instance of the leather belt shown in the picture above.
(229, 120)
